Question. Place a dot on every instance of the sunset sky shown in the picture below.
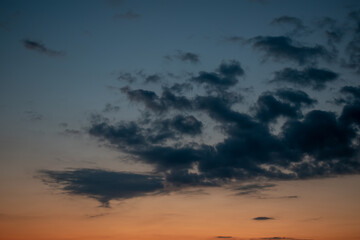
(179, 120)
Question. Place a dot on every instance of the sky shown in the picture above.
(196, 120)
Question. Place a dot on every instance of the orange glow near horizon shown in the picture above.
(193, 216)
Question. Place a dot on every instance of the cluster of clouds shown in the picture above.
(309, 143)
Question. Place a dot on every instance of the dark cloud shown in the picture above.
(352, 95)
(263, 218)
(184, 57)
(284, 48)
(149, 98)
(224, 77)
(168, 136)
(103, 185)
(268, 109)
(129, 15)
(186, 124)
(296, 97)
(284, 102)
(351, 90)
(321, 136)
(223, 236)
(124, 134)
(296, 24)
(155, 103)
(309, 77)
(164, 129)
(39, 47)
(319, 144)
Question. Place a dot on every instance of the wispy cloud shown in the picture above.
(129, 15)
(41, 48)
(184, 57)
(263, 218)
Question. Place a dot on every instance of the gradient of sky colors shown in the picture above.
(198, 120)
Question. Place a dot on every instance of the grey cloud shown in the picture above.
(72, 132)
(127, 77)
(154, 78)
(111, 108)
(39, 47)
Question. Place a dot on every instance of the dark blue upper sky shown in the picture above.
(199, 93)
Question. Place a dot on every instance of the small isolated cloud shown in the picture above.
(103, 185)
(127, 77)
(236, 39)
(249, 189)
(34, 116)
(316, 78)
(283, 48)
(290, 197)
(97, 215)
(63, 124)
(129, 15)
(184, 57)
(39, 47)
(263, 218)
(224, 237)
(72, 132)
(295, 23)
